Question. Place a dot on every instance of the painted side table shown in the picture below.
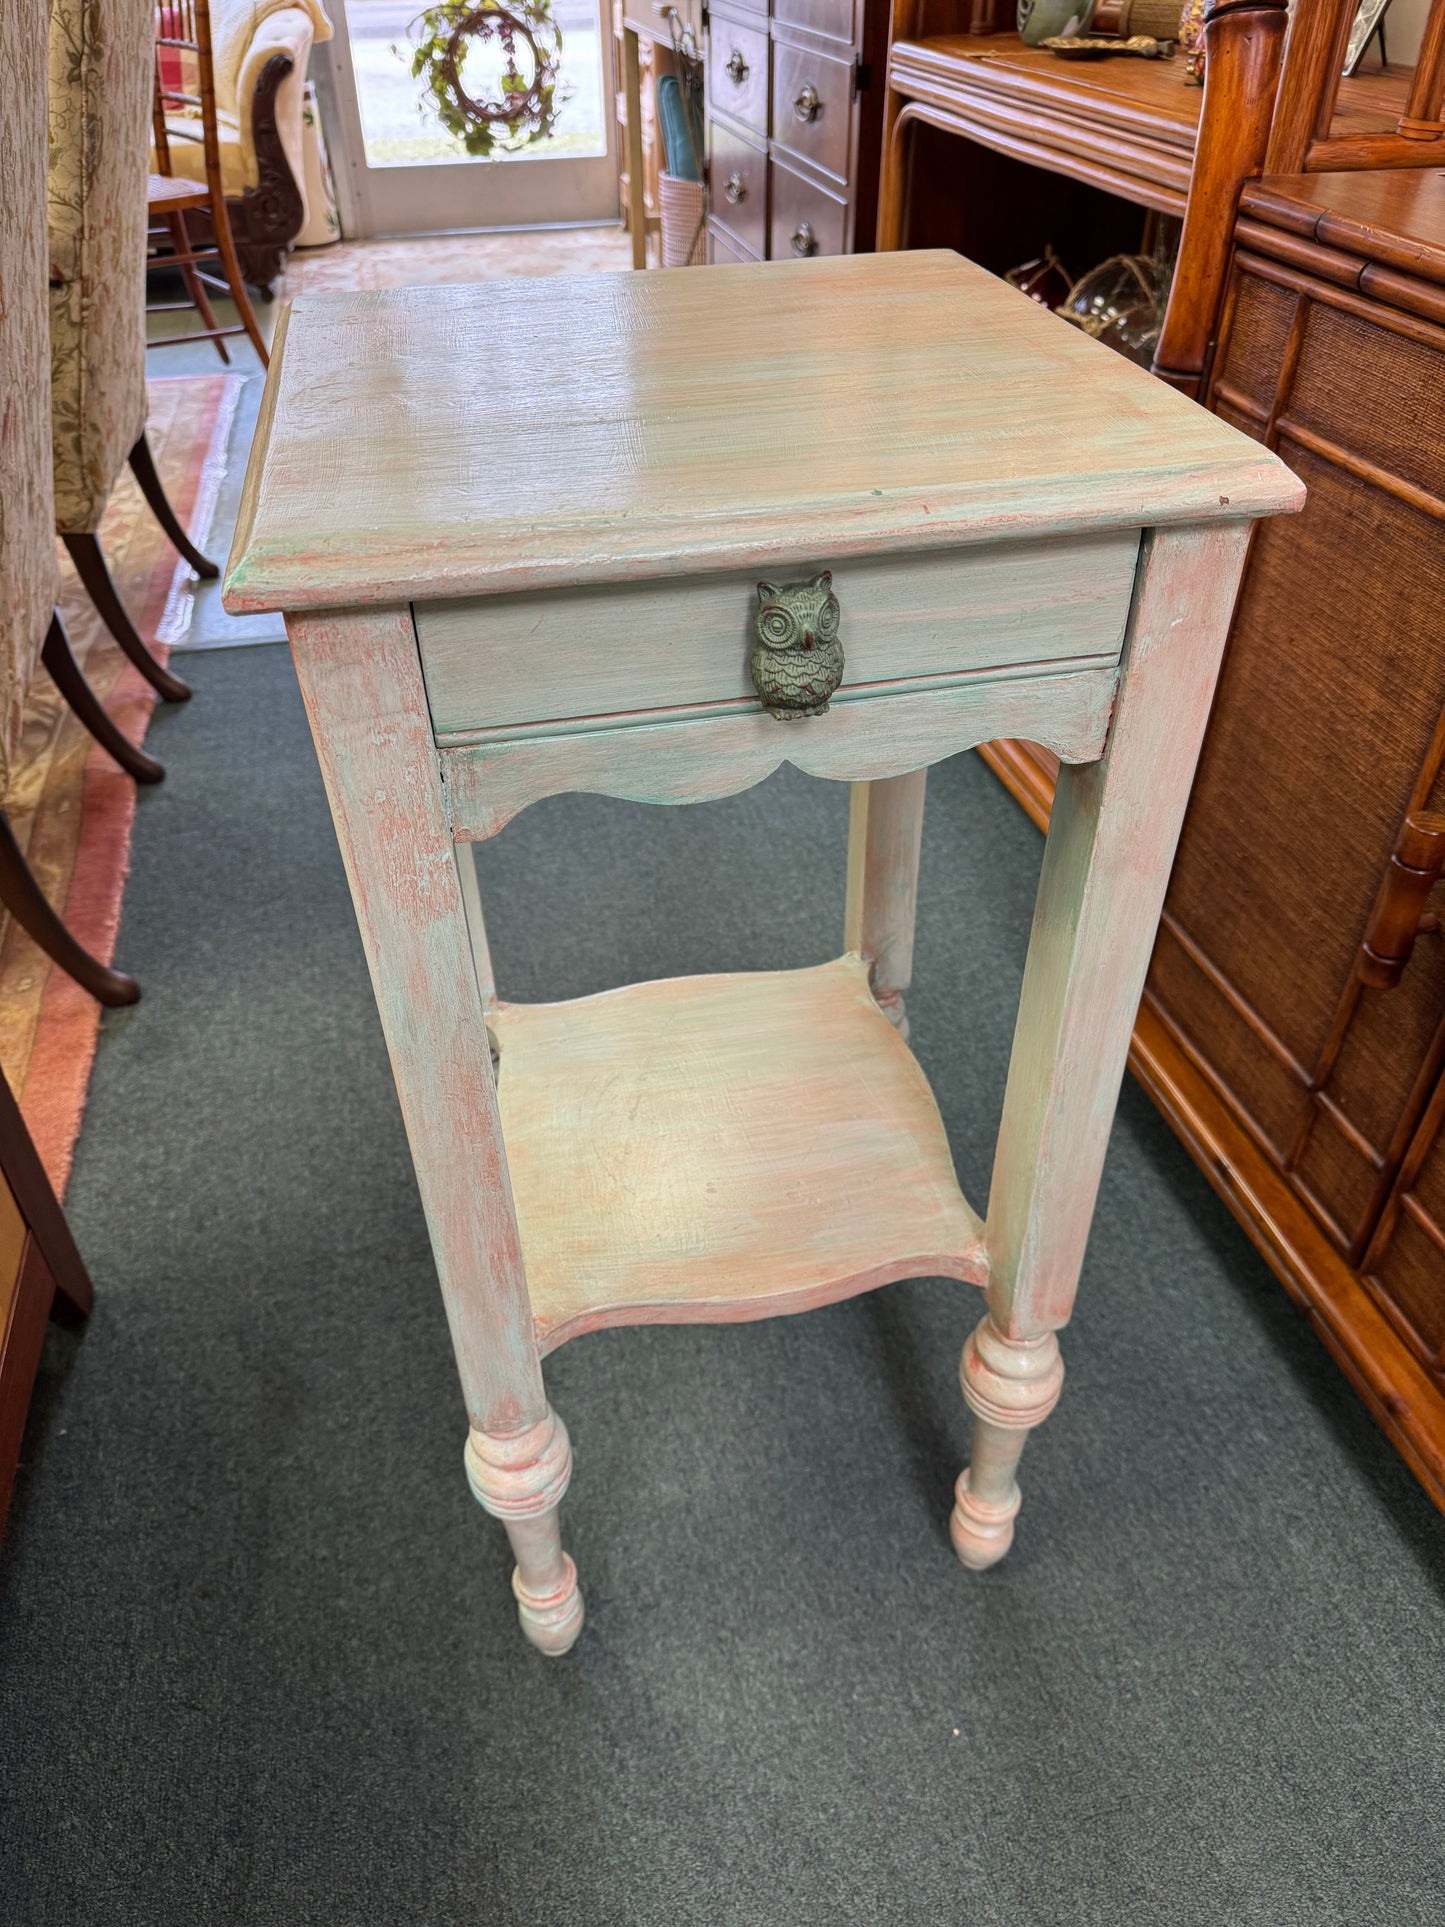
(558, 534)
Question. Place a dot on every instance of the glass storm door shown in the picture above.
(398, 170)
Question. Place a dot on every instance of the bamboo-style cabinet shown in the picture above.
(1293, 1023)
(1300, 970)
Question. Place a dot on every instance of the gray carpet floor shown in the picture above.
(258, 1660)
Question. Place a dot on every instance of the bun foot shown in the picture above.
(982, 1530)
(551, 1620)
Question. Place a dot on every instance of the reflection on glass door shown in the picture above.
(404, 172)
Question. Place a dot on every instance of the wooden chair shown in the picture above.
(100, 100)
(1135, 129)
(184, 108)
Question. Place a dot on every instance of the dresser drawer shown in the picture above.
(813, 107)
(804, 218)
(738, 187)
(723, 250)
(737, 71)
(629, 650)
(836, 18)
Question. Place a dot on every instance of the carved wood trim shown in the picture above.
(662, 761)
(266, 219)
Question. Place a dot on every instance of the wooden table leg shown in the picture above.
(362, 685)
(1106, 866)
(636, 197)
(885, 831)
(476, 923)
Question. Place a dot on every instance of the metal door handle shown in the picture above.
(806, 102)
(804, 241)
(733, 188)
(737, 67)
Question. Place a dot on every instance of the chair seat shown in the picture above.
(168, 194)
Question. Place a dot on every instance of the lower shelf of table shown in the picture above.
(726, 1147)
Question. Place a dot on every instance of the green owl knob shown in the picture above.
(797, 660)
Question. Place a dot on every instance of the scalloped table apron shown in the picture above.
(650, 536)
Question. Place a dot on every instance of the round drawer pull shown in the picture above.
(734, 189)
(737, 67)
(806, 102)
(804, 241)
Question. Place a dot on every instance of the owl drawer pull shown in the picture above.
(734, 189)
(806, 102)
(737, 67)
(796, 661)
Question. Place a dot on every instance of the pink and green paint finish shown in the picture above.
(1025, 536)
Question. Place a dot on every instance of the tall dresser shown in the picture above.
(794, 126)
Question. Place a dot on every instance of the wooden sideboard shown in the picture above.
(1293, 1024)
(794, 126)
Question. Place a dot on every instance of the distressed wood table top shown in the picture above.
(429, 443)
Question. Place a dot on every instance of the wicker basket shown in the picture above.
(680, 204)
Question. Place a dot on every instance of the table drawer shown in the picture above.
(738, 187)
(804, 218)
(813, 107)
(737, 71)
(626, 651)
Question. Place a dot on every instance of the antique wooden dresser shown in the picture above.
(794, 126)
(1293, 1025)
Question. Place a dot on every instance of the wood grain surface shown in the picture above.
(721, 1148)
(492, 661)
(1106, 865)
(651, 758)
(1395, 215)
(361, 683)
(431, 443)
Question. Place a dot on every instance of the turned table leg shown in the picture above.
(1106, 865)
(885, 833)
(1009, 1386)
(520, 1478)
(361, 681)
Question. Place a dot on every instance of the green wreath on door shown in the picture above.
(525, 109)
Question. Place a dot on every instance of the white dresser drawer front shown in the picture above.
(499, 663)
